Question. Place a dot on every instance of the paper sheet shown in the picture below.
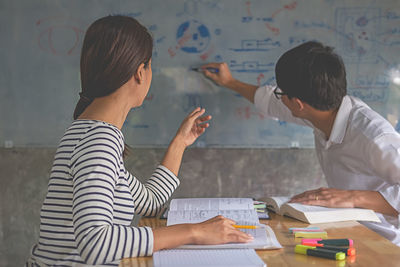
(207, 257)
(264, 238)
(211, 204)
(241, 210)
(242, 217)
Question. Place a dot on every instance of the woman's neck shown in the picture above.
(112, 109)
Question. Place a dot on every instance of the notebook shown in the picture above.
(207, 257)
(318, 214)
(241, 210)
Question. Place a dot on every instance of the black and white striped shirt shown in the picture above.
(91, 200)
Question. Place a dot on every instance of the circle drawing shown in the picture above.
(193, 37)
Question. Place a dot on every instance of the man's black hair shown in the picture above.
(314, 74)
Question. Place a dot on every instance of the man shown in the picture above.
(359, 151)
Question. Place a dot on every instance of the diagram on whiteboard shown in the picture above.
(43, 45)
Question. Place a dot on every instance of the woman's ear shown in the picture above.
(139, 75)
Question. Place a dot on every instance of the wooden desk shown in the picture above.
(371, 248)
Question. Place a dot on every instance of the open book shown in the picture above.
(241, 210)
(318, 214)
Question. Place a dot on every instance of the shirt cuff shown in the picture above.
(151, 241)
(172, 178)
(392, 195)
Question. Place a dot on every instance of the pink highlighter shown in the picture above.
(319, 242)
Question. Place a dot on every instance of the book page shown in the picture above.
(207, 257)
(264, 238)
(312, 208)
(211, 204)
(307, 208)
(318, 214)
(242, 217)
(275, 203)
(281, 200)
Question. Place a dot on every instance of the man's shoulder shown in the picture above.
(367, 121)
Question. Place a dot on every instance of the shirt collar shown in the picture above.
(341, 121)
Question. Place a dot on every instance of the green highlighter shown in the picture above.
(319, 252)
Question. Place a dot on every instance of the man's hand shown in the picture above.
(328, 197)
(337, 198)
(222, 77)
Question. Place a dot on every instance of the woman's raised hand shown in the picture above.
(193, 126)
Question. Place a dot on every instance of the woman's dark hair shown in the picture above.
(314, 74)
(113, 49)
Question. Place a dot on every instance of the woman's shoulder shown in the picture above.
(94, 132)
(84, 126)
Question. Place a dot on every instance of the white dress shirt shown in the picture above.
(362, 152)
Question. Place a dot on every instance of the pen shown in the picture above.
(348, 251)
(210, 69)
(246, 226)
(332, 242)
(319, 252)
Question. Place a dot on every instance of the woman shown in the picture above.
(91, 199)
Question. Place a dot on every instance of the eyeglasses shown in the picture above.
(278, 93)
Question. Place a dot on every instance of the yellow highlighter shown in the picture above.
(319, 252)
(321, 234)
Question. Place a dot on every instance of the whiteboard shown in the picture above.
(41, 42)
